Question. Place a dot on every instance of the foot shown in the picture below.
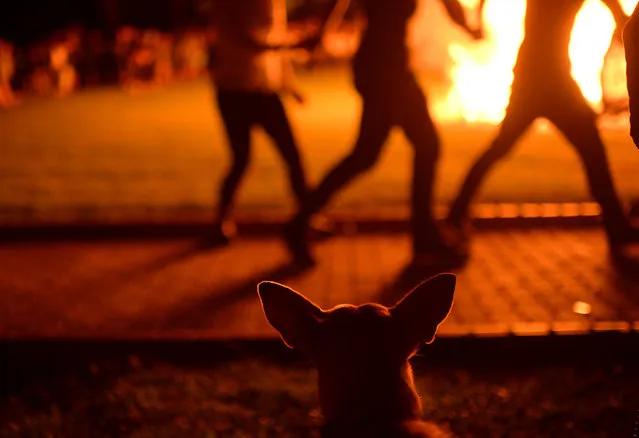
(221, 234)
(461, 227)
(622, 236)
(302, 257)
(623, 244)
(321, 228)
(625, 258)
(295, 237)
(440, 259)
(448, 244)
(447, 252)
(456, 238)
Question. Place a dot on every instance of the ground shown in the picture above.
(518, 281)
(103, 153)
(257, 397)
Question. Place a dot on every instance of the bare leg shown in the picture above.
(375, 125)
(577, 123)
(514, 125)
(421, 132)
(275, 122)
(238, 129)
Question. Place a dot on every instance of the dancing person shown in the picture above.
(251, 69)
(391, 97)
(543, 86)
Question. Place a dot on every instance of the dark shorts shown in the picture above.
(248, 107)
(549, 96)
(381, 81)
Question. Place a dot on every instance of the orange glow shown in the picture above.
(481, 73)
(581, 308)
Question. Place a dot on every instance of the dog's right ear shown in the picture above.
(294, 316)
(423, 309)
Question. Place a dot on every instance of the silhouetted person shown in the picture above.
(251, 69)
(631, 47)
(543, 87)
(391, 96)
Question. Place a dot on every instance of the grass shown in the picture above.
(262, 398)
(105, 153)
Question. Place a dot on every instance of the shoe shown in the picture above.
(625, 258)
(221, 234)
(621, 236)
(455, 239)
(439, 260)
(321, 228)
(302, 258)
(447, 250)
(460, 227)
(295, 238)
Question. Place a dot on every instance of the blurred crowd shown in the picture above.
(134, 59)
(74, 58)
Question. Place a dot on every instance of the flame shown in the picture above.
(481, 73)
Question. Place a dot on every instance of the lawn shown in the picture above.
(104, 153)
(264, 398)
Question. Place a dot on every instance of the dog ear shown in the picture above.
(294, 316)
(422, 310)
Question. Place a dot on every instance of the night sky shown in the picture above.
(27, 21)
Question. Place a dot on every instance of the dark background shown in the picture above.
(24, 22)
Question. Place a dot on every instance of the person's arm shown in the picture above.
(456, 13)
(618, 14)
(289, 82)
(336, 10)
(631, 49)
(335, 16)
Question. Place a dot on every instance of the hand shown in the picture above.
(476, 34)
(299, 98)
(309, 44)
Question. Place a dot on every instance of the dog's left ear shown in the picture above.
(290, 313)
(422, 310)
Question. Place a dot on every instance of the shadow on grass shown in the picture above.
(192, 250)
(195, 314)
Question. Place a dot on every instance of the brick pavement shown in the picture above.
(519, 281)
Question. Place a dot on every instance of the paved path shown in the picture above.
(519, 281)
